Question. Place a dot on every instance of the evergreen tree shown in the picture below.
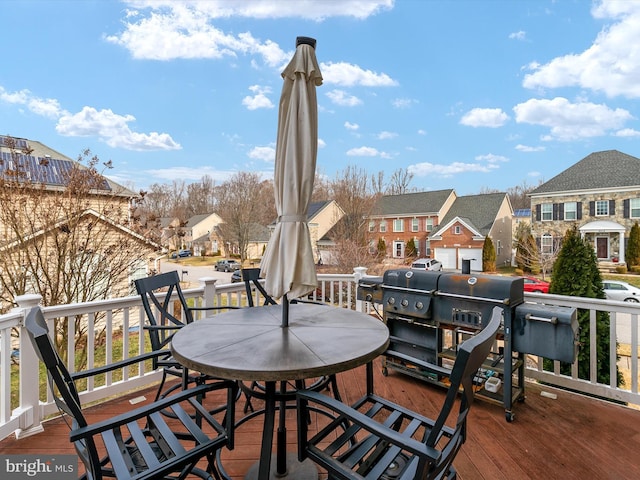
(488, 256)
(575, 273)
(382, 247)
(632, 255)
(411, 250)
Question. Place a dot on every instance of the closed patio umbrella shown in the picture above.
(288, 265)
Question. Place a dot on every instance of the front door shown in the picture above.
(602, 247)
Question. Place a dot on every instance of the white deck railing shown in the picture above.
(111, 329)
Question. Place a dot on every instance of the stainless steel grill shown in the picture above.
(429, 313)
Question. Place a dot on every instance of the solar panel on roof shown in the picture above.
(19, 142)
(45, 170)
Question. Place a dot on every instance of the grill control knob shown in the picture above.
(391, 300)
(404, 302)
(419, 305)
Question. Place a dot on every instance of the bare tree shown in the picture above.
(66, 241)
(242, 204)
(399, 182)
(200, 196)
(356, 193)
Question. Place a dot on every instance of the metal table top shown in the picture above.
(251, 344)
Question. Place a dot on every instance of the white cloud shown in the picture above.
(367, 152)
(627, 132)
(113, 129)
(386, 135)
(491, 158)
(425, 169)
(403, 102)
(528, 149)
(484, 117)
(348, 75)
(571, 121)
(167, 29)
(259, 100)
(45, 107)
(610, 65)
(321, 143)
(340, 97)
(266, 154)
(351, 126)
(187, 173)
(521, 35)
(422, 132)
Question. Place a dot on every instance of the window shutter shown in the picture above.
(555, 211)
(538, 213)
(592, 208)
(626, 206)
(612, 207)
(560, 211)
(579, 210)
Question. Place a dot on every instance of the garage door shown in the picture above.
(473, 254)
(447, 256)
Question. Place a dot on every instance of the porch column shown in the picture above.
(209, 291)
(29, 403)
(621, 255)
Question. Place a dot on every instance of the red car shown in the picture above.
(532, 284)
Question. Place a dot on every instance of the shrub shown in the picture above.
(488, 256)
(621, 269)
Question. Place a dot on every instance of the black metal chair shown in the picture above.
(139, 444)
(157, 294)
(386, 440)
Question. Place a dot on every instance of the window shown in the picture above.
(634, 203)
(546, 243)
(415, 224)
(372, 226)
(602, 208)
(383, 226)
(429, 224)
(398, 225)
(547, 212)
(457, 230)
(398, 249)
(570, 211)
(499, 247)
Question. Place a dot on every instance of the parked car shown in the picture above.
(532, 284)
(184, 253)
(227, 266)
(427, 264)
(236, 276)
(622, 291)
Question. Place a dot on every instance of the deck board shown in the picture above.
(571, 437)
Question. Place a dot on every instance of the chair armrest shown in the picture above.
(145, 410)
(119, 364)
(370, 425)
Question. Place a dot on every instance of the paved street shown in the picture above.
(192, 274)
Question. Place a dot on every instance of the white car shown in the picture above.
(622, 291)
(427, 264)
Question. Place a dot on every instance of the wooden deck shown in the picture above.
(569, 437)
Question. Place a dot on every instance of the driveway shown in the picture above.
(192, 274)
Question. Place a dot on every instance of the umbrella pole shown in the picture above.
(285, 311)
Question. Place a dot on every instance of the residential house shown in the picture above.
(466, 224)
(600, 195)
(411, 216)
(198, 232)
(89, 227)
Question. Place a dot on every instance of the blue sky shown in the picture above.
(468, 95)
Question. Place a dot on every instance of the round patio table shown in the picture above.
(250, 344)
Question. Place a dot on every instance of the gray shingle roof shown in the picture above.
(607, 169)
(480, 210)
(420, 203)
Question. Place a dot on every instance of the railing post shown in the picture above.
(359, 273)
(29, 401)
(209, 293)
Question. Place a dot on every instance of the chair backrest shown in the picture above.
(62, 386)
(157, 293)
(470, 356)
(251, 276)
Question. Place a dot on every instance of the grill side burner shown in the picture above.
(429, 313)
